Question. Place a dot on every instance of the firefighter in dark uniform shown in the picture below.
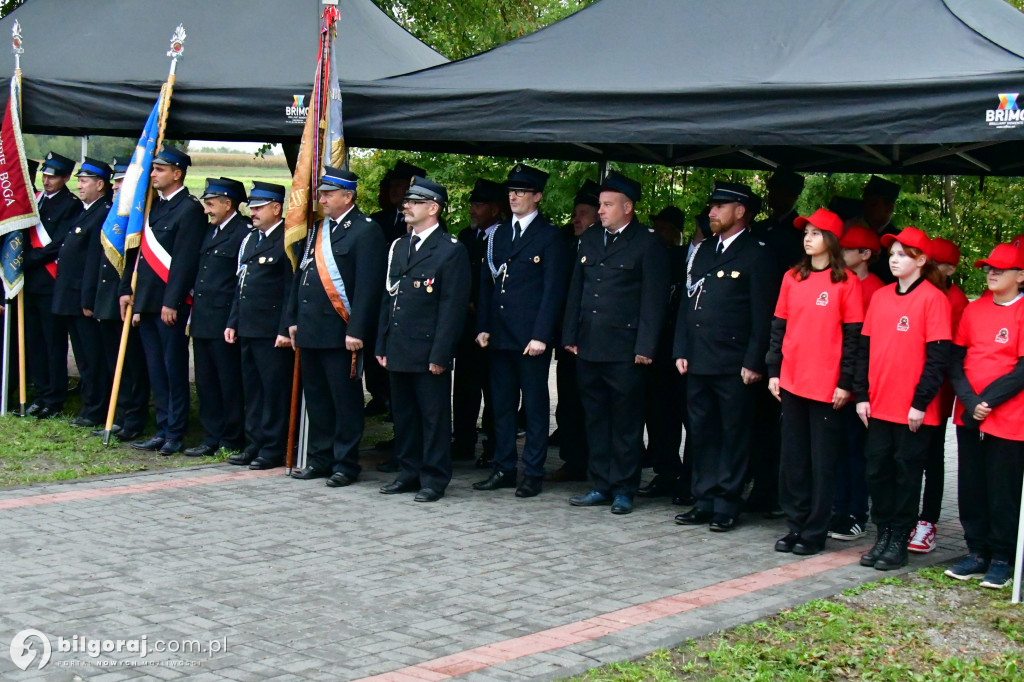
(392, 225)
(333, 308)
(45, 334)
(786, 246)
(666, 388)
(613, 319)
(257, 324)
(879, 196)
(488, 205)
(571, 435)
(218, 364)
(100, 298)
(420, 322)
(720, 344)
(168, 261)
(77, 255)
(522, 293)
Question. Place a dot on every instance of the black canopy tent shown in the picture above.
(827, 85)
(95, 68)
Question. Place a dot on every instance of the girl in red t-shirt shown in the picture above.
(811, 360)
(987, 373)
(902, 363)
(946, 256)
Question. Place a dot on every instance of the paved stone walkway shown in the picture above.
(294, 580)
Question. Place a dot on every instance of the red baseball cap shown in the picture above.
(1003, 257)
(909, 236)
(823, 219)
(860, 237)
(945, 251)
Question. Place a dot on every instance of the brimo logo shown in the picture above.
(1008, 114)
(23, 653)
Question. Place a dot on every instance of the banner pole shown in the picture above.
(6, 359)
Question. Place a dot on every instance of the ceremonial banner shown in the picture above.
(17, 207)
(122, 230)
(323, 141)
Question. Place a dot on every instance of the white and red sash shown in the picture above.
(39, 237)
(157, 256)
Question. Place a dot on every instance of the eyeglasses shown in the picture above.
(414, 202)
(520, 192)
(989, 270)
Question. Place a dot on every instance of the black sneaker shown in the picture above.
(972, 566)
(846, 529)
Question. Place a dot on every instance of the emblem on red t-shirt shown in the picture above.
(1003, 336)
(903, 325)
(823, 298)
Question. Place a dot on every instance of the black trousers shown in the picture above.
(334, 403)
(613, 403)
(166, 350)
(218, 367)
(88, 346)
(812, 440)
(765, 449)
(666, 416)
(471, 384)
(267, 383)
(376, 377)
(133, 395)
(420, 403)
(989, 485)
(46, 351)
(513, 373)
(851, 490)
(573, 448)
(896, 458)
(934, 475)
(720, 409)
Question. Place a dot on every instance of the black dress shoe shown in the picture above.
(154, 443)
(171, 447)
(260, 464)
(244, 458)
(389, 466)
(695, 517)
(530, 487)
(787, 543)
(497, 479)
(339, 480)
(428, 495)
(31, 410)
(201, 450)
(46, 413)
(805, 548)
(684, 500)
(660, 486)
(84, 423)
(309, 472)
(398, 487)
(127, 435)
(722, 523)
(100, 432)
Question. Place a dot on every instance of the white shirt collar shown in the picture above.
(422, 236)
(525, 221)
(618, 230)
(221, 226)
(271, 230)
(728, 241)
(87, 206)
(342, 216)
(170, 196)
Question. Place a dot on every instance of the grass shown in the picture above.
(923, 626)
(195, 181)
(35, 451)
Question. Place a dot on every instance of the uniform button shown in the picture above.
(502, 307)
(596, 296)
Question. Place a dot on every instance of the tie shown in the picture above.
(481, 235)
(518, 232)
(334, 224)
(259, 237)
(609, 238)
(719, 249)
(413, 240)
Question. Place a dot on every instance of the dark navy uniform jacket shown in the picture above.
(78, 256)
(527, 301)
(618, 295)
(57, 214)
(263, 288)
(420, 324)
(216, 279)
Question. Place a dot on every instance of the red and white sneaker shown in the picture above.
(922, 540)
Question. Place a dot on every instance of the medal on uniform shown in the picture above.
(734, 274)
(78, 230)
(536, 259)
(430, 285)
(263, 259)
(416, 284)
(583, 260)
(721, 274)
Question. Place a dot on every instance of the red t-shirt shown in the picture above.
(868, 286)
(958, 303)
(815, 310)
(994, 338)
(899, 327)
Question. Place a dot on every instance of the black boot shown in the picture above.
(881, 542)
(895, 554)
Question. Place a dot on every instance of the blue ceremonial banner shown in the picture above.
(11, 262)
(122, 230)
